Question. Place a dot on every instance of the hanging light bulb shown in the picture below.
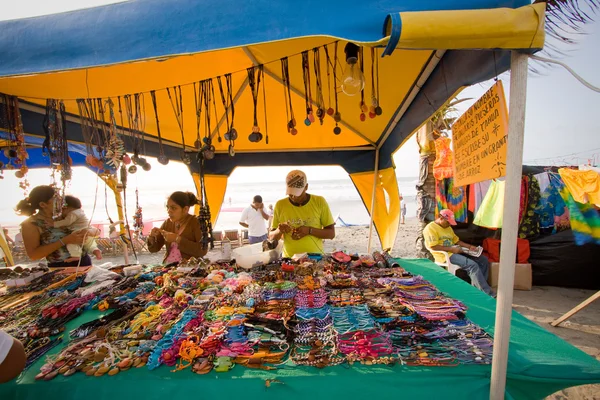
(353, 80)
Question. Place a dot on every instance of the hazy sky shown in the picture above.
(561, 113)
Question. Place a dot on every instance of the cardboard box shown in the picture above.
(522, 276)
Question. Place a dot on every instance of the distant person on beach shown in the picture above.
(40, 237)
(12, 357)
(402, 209)
(440, 237)
(74, 218)
(269, 212)
(303, 220)
(254, 217)
(181, 233)
(9, 240)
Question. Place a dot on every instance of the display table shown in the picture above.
(539, 364)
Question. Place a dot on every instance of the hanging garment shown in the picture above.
(584, 186)
(524, 197)
(489, 214)
(442, 167)
(530, 225)
(584, 218)
(551, 208)
(478, 191)
(543, 180)
(425, 206)
(452, 198)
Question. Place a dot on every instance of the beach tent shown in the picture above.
(139, 46)
(433, 49)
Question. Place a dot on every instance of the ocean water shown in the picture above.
(154, 188)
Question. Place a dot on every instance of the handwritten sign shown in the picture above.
(479, 139)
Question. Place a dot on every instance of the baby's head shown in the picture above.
(71, 203)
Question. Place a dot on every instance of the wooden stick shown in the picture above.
(576, 309)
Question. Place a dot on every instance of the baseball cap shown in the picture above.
(448, 216)
(295, 182)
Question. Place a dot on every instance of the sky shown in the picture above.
(559, 109)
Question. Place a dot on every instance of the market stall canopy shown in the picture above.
(145, 46)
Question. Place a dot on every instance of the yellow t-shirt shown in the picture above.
(315, 214)
(435, 235)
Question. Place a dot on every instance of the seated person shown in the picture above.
(181, 233)
(302, 219)
(74, 218)
(439, 236)
(12, 357)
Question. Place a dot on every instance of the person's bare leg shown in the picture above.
(14, 363)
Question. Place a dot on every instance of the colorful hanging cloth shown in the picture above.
(489, 214)
(530, 225)
(552, 207)
(444, 158)
(584, 218)
(584, 186)
(452, 198)
(524, 197)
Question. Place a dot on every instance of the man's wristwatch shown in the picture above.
(310, 231)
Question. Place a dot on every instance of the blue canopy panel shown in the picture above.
(37, 159)
(146, 29)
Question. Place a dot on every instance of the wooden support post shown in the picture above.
(576, 309)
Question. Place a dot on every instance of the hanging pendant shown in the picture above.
(126, 159)
(208, 152)
(231, 151)
(185, 158)
(337, 117)
(307, 121)
(294, 131)
(337, 130)
(363, 117)
(378, 110)
(162, 159)
(146, 167)
(372, 115)
(330, 111)
(197, 144)
(132, 169)
(363, 107)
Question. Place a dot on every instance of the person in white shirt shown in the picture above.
(12, 357)
(253, 218)
(75, 219)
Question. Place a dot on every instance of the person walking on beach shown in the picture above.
(303, 220)
(254, 217)
(402, 209)
(440, 237)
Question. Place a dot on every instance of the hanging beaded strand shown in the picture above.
(337, 117)
(310, 118)
(285, 74)
(254, 83)
(161, 158)
(363, 106)
(177, 105)
(198, 105)
(262, 73)
(375, 108)
(227, 100)
(319, 83)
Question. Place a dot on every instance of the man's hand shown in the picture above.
(455, 250)
(300, 232)
(284, 228)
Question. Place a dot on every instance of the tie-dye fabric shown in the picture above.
(452, 198)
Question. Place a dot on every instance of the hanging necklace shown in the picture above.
(227, 99)
(319, 83)
(198, 106)
(262, 73)
(254, 83)
(285, 74)
(214, 102)
(161, 158)
(115, 148)
(363, 106)
(375, 108)
(208, 150)
(310, 118)
(177, 105)
(337, 117)
(330, 110)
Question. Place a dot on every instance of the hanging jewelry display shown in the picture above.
(55, 144)
(115, 148)
(254, 77)
(204, 217)
(229, 107)
(91, 136)
(320, 102)
(262, 73)
(287, 93)
(214, 103)
(198, 96)
(133, 109)
(330, 110)
(207, 150)
(161, 158)
(310, 118)
(126, 158)
(177, 104)
(363, 106)
(16, 152)
(337, 117)
(375, 109)
(138, 220)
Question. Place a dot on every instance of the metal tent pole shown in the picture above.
(510, 224)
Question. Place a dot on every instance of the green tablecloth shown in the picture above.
(540, 363)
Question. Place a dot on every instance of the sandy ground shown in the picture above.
(542, 304)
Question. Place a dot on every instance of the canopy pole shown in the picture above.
(111, 182)
(375, 174)
(510, 224)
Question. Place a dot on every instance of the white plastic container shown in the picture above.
(253, 256)
(132, 270)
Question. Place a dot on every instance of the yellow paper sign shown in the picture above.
(479, 139)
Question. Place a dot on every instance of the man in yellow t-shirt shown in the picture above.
(439, 236)
(302, 219)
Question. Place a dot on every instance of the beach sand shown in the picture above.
(542, 305)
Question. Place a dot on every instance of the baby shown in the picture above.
(74, 218)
